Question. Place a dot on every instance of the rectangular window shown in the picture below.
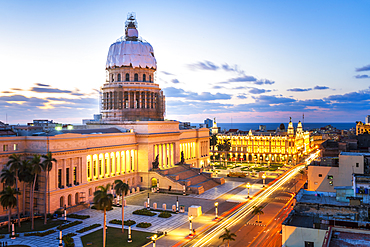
(74, 175)
(88, 170)
(67, 176)
(308, 244)
(94, 168)
(357, 164)
(141, 179)
(15, 147)
(5, 148)
(59, 178)
(320, 175)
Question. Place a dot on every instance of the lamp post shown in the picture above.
(148, 205)
(60, 237)
(191, 225)
(183, 190)
(264, 177)
(248, 187)
(158, 186)
(13, 231)
(129, 234)
(65, 212)
(177, 204)
(216, 209)
(153, 239)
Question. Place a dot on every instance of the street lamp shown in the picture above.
(216, 209)
(248, 187)
(191, 225)
(60, 237)
(177, 204)
(264, 177)
(148, 205)
(129, 234)
(13, 231)
(183, 190)
(65, 212)
(153, 239)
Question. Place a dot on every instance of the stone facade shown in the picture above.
(86, 161)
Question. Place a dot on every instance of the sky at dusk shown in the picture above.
(249, 61)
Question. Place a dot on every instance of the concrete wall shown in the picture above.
(318, 178)
(293, 236)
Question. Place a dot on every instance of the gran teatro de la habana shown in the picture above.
(123, 143)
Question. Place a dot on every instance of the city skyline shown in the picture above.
(252, 62)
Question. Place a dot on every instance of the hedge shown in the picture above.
(165, 215)
(126, 222)
(77, 216)
(74, 223)
(144, 211)
(144, 225)
(39, 234)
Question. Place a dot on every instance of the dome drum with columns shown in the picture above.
(130, 93)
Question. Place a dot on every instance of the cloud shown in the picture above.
(166, 73)
(321, 87)
(6, 92)
(241, 96)
(299, 89)
(360, 96)
(364, 68)
(175, 81)
(178, 92)
(217, 87)
(42, 85)
(206, 65)
(362, 76)
(264, 81)
(258, 91)
(16, 89)
(48, 90)
(243, 78)
(271, 99)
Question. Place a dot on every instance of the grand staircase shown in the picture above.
(195, 180)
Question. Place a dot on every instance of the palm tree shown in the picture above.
(14, 164)
(36, 170)
(213, 143)
(103, 201)
(121, 188)
(47, 165)
(257, 210)
(7, 177)
(8, 200)
(302, 172)
(227, 236)
(25, 176)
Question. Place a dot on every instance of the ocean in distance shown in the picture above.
(274, 126)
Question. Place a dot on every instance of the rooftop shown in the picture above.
(354, 154)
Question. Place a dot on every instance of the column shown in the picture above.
(140, 100)
(160, 159)
(118, 163)
(172, 155)
(164, 154)
(129, 98)
(123, 163)
(135, 105)
(64, 172)
(128, 161)
(71, 170)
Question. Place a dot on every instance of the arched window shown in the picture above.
(150, 78)
(76, 198)
(69, 200)
(61, 204)
(127, 77)
(136, 77)
(119, 77)
(144, 77)
(112, 78)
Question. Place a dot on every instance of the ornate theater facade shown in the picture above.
(266, 147)
(123, 145)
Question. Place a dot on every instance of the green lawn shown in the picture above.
(115, 238)
(26, 226)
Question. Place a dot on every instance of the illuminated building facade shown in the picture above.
(267, 147)
(362, 128)
(117, 147)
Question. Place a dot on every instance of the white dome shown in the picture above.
(136, 53)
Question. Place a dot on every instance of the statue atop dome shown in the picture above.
(131, 31)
